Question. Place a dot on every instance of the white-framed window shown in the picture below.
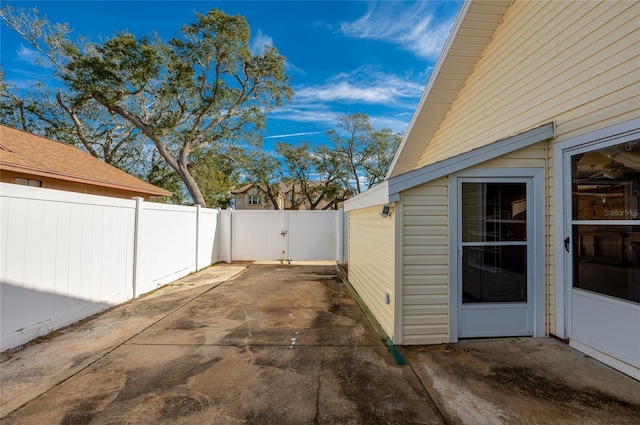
(28, 182)
(254, 200)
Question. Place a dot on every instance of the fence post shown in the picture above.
(345, 237)
(340, 236)
(197, 237)
(137, 236)
(229, 230)
(223, 235)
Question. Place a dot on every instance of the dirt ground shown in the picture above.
(287, 344)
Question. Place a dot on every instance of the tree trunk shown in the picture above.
(179, 164)
(272, 196)
(355, 176)
(191, 184)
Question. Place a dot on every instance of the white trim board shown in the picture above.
(621, 366)
(469, 159)
(377, 195)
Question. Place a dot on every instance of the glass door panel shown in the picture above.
(494, 242)
(495, 268)
(494, 274)
(605, 186)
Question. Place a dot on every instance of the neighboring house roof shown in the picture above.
(243, 189)
(470, 35)
(26, 153)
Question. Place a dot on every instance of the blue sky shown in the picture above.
(342, 56)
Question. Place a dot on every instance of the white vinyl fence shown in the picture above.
(65, 256)
(287, 235)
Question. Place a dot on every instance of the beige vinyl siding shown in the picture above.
(371, 262)
(575, 62)
(425, 268)
(425, 271)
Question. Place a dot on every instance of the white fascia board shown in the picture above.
(434, 76)
(377, 195)
(469, 159)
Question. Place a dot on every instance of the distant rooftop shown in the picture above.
(26, 153)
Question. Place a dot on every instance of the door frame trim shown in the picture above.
(617, 133)
(536, 175)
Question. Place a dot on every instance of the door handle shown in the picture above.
(566, 243)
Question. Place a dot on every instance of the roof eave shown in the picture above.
(377, 195)
(59, 176)
(470, 158)
(411, 148)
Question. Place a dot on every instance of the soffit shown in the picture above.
(474, 27)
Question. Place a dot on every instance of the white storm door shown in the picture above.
(495, 257)
(602, 250)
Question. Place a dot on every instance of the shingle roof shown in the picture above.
(27, 153)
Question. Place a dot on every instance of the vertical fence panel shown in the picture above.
(168, 244)
(14, 264)
(49, 256)
(313, 235)
(207, 237)
(57, 262)
(256, 235)
(224, 236)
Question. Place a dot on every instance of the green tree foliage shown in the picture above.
(378, 155)
(324, 176)
(50, 114)
(365, 153)
(316, 175)
(196, 98)
(216, 175)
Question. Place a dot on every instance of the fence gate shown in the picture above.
(286, 235)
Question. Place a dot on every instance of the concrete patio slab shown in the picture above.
(280, 344)
(523, 381)
(30, 370)
(276, 345)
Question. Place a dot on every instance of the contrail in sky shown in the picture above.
(294, 135)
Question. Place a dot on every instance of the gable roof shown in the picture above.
(26, 153)
(470, 35)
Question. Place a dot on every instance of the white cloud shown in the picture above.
(415, 29)
(28, 55)
(365, 85)
(258, 42)
(396, 125)
(283, 136)
(394, 98)
(318, 114)
(292, 68)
